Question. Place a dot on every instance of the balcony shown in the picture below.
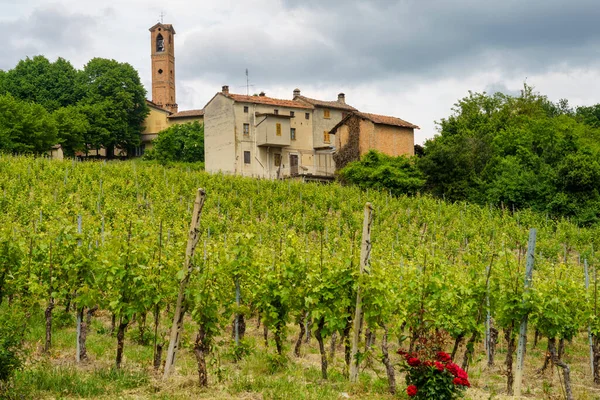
(272, 130)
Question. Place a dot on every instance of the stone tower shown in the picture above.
(162, 49)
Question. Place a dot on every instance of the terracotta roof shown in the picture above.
(152, 104)
(385, 120)
(267, 101)
(167, 27)
(376, 119)
(328, 104)
(188, 114)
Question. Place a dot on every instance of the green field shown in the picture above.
(294, 251)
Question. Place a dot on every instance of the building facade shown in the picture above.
(259, 136)
(360, 132)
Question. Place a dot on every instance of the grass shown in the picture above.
(259, 374)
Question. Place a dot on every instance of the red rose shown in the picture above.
(428, 363)
(452, 368)
(439, 366)
(443, 357)
(461, 382)
(413, 362)
(411, 390)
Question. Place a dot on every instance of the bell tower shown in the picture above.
(162, 49)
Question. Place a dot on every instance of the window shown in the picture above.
(326, 136)
(160, 43)
(246, 157)
(306, 115)
(276, 112)
(278, 129)
(245, 109)
(277, 160)
(246, 129)
(292, 114)
(293, 133)
(326, 113)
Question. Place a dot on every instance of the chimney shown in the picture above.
(342, 98)
(262, 94)
(296, 92)
(225, 89)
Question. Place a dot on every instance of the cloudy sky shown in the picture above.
(408, 58)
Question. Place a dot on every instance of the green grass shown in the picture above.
(73, 382)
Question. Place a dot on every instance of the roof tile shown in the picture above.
(267, 101)
(188, 114)
(385, 120)
(322, 103)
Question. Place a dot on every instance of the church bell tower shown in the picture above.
(162, 45)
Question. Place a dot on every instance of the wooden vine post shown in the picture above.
(523, 329)
(193, 238)
(590, 339)
(365, 254)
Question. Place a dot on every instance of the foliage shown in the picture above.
(181, 142)
(12, 327)
(49, 84)
(116, 104)
(72, 129)
(379, 171)
(515, 152)
(25, 127)
(293, 248)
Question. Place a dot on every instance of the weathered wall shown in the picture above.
(156, 121)
(322, 124)
(263, 158)
(390, 140)
(220, 146)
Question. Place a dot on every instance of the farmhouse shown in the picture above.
(360, 132)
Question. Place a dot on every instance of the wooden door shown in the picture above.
(293, 164)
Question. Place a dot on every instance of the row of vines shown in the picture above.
(112, 236)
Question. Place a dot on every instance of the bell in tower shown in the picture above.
(162, 39)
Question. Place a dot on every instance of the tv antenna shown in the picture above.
(247, 83)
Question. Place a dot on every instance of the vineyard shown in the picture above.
(278, 263)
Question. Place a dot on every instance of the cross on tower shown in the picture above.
(162, 14)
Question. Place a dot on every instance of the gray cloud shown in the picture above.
(51, 31)
(358, 41)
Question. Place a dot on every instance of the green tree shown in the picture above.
(379, 171)
(25, 127)
(183, 142)
(72, 127)
(516, 151)
(50, 84)
(114, 101)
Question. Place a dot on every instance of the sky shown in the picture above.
(412, 59)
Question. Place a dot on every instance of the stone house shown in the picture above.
(360, 132)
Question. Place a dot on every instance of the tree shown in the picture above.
(183, 142)
(25, 127)
(115, 104)
(520, 152)
(379, 171)
(36, 79)
(72, 128)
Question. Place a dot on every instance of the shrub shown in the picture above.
(437, 378)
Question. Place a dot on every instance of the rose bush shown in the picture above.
(438, 379)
